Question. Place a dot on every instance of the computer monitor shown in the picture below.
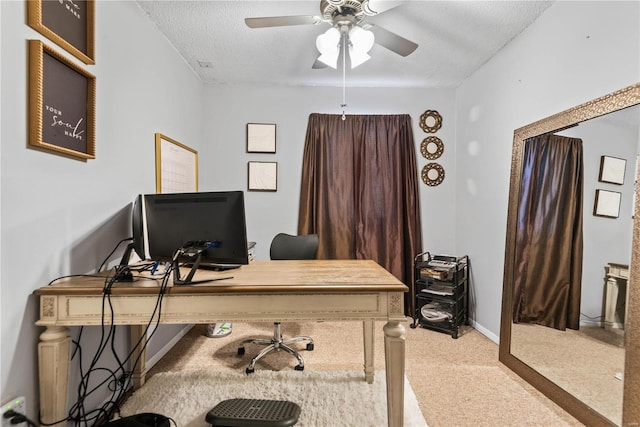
(164, 223)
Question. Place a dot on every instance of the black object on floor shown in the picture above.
(146, 419)
(253, 413)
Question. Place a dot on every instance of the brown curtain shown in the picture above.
(359, 191)
(549, 233)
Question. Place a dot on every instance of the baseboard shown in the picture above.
(168, 346)
(484, 331)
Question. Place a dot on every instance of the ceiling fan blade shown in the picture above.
(391, 41)
(282, 21)
(318, 65)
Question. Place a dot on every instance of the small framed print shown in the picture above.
(62, 103)
(261, 138)
(263, 176)
(612, 170)
(69, 24)
(607, 204)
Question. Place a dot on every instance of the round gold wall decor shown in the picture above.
(431, 148)
(430, 121)
(432, 174)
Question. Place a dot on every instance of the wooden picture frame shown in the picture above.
(261, 138)
(262, 176)
(69, 24)
(612, 170)
(176, 166)
(62, 104)
(607, 203)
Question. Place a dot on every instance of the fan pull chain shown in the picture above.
(344, 75)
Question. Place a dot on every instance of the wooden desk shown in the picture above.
(264, 291)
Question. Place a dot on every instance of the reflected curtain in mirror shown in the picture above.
(360, 191)
(548, 251)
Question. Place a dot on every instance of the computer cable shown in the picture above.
(128, 239)
(15, 417)
(112, 407)
(117, 380)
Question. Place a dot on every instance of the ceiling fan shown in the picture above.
(348, 29)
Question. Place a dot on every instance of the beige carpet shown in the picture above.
(583, 362)
(457, 382)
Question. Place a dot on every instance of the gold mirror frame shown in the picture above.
(618, 100)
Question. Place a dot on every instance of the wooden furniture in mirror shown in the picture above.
(526, 362)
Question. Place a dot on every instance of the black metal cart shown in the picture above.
(442, 286)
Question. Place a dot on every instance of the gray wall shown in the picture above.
(574, 52)
(63, 216)
(229, 108)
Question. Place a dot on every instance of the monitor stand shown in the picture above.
(188, 280)
(124, 272)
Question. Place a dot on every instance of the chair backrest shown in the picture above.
(286, 246)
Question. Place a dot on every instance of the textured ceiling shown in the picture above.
(455, 38)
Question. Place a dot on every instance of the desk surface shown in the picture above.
(258, 277)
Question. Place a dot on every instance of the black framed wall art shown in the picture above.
(62, 103)
(68, 23)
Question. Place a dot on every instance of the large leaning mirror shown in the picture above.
(570, 304)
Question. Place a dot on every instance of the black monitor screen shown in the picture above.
(171, 220)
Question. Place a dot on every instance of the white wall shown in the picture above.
(63, 216)
(224, 166)
(574, 52)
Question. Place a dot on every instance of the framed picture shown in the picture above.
(263, 176)
(612, 170)
(62, 103)
(68, 23)
(261, 138)
(176, 166)
(607, 203)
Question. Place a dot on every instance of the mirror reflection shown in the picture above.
(569, 319)
(569, 248)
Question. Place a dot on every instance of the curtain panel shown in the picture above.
(549, 240)
(359, 191)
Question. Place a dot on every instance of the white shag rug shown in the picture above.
(326, 398)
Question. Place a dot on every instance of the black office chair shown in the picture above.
(283, 247)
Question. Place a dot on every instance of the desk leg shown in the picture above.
(367, 329)
(138, 340)
(394, 366)
(53, 372)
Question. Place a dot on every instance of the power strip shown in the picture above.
(17, 404)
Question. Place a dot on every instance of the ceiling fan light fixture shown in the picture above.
(330, 59)
(361, 39)
(361, 42)
(328, 45)
(357, 58)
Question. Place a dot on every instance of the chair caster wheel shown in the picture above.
(310, 346)
(240, 351)
(298, 368)
(249, 371)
